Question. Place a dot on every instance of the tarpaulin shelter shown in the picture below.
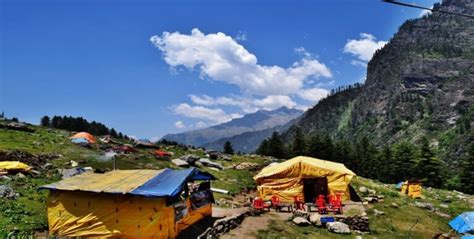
(411, 189)
(15, 166)
(463, 223)
(80, 141)
(89, 137)
(128, 203)
(305, 177)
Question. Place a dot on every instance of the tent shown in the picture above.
(91, 139)
(14, 166)
(128, 203)
(464, 223)
(305, 177)
(411, 188)
(80, 141)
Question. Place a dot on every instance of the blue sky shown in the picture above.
(113, 62)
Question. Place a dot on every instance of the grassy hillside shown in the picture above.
(27, 214)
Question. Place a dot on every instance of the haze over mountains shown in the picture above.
(254, 122)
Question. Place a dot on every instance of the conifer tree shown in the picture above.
(404, 162)
(429, 167)
(228, 148)
(298, 147)
(467, 173)
(45, 121)
(276, 147)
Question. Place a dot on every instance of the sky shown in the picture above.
(149, 67)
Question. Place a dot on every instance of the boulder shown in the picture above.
(180, 163)
(209, 163)
(20, 175)
(371, 191)
(427, 206)
(226, 157)
(300, 221)
(315, 219)
(7, 192)
(443, 206)
(442, 214)
(338, 227)
(190, 158)
(378, 212)
(363, 189)
(394, 205)
(67, 173)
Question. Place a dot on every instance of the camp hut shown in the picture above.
(83, 136)
(411, 189)
(463, 223)
(305, 177)
(129, 203)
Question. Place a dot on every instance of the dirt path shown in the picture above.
(251, 225)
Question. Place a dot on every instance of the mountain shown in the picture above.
(258, 121)
(419, 84)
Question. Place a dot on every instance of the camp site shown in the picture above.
(237, 119)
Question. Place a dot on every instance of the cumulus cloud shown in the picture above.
(363, 48)
(214, 115)
(221, 58)
(424, 12)
(179, 125)
(246, 104)
(272, 102)
(314, 94)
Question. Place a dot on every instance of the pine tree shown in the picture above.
(276, 148)
(228, 148)
(366, 158)
(384, 164)
(315, 146)
(467, 173)
(113, 133)
(298, 148)
(404, 162)
(263, 148)
(429, 167)
(45, 121)
(15, 119)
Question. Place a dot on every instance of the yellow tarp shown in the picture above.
(286, 179)
(13, 166)
(107, 215)
(193, 216)
(118, 181)
(412, 189)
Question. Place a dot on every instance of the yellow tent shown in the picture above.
(128, 203)
(412, 189)
(14, 166)
(305, 177)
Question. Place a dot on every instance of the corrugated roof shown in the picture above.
(149, 183)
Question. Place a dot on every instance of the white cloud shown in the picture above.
(215, 115)
(272, 102)
(364, 48)
(241, 36)
(314, 94)
(179, 125)
(359, 63)
(424, 12)
(220, 58)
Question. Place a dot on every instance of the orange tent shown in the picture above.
(84, 135)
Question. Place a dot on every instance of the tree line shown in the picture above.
(80, 124)
(389, 164)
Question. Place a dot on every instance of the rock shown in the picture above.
(226, 157)
(67, 173)
(443, 205)
(358, 237)
(338, 227)
(363, 189)
(300, 213)
(300, 221)
(7, 192)
(315, 219)
(461, 197)
(20, 175)
(4, 177)
(180, 163)
(209, 163)
(442, 214)
(74, 163)
(370, 199)
(427, 206)
(378, 213)
(371, 191)
(394, 205)
(190, 158)
(247, 165)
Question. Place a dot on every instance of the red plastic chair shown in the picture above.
(337, 204)
(321, 204)
(276, 203)
(299, 205)
(259, 204)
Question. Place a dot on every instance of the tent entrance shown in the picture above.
(313, 187)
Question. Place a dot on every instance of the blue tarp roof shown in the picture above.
(170, 182)
(148, 183)
(463, 223)
(80, 141)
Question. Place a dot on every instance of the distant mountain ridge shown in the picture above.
(258, 121)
